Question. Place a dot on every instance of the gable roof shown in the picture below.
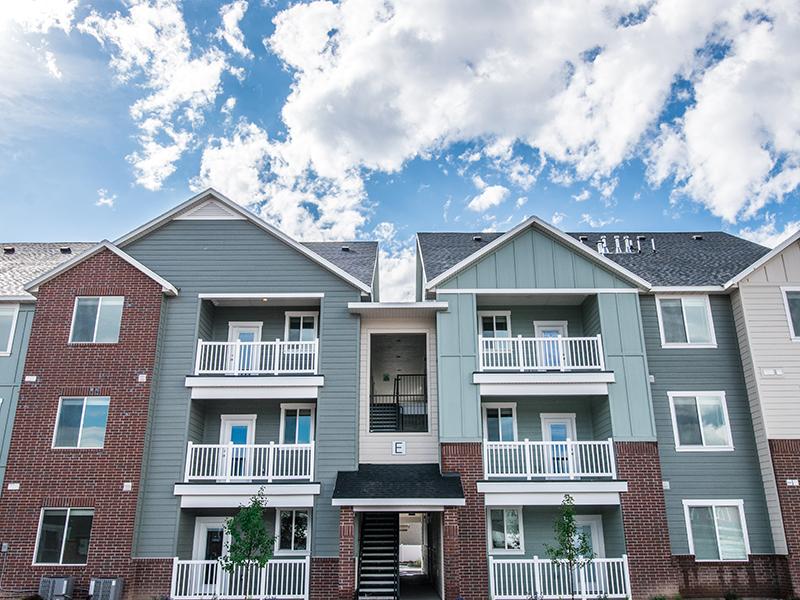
(765, 258)
(359, 260)
(166, 286)
(222, 202)
(29, 260)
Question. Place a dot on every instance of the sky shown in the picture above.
(374, 119)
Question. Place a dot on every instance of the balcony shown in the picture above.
(285, 579)
(403, 410)
(256, 358)
(549, 460)
(518, 579)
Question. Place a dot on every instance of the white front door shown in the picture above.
(592, 527)
(247, 357)
(237, 430)
(551, 353)
(210, 542)
(559, 428)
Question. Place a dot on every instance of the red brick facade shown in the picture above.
(786, 464)
(644, 518)
(347, 557)
(324, 579)
(85, 478)
(465, 558)
(763, 576)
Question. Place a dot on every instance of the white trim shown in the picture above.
(422, 264)
(539, 325)
(687, 289)
(687, 344)
(253, 387)
(367, 307)
(27, 299)
(543, 384)
(551, 493)
(400, 504)
(80, 427)
(499, 405)
(297, 406)
(96, 319)
(535, 291)
(226, 420)
(763, 260)
(569, 418)
(14, 316)
(69, 510)
(684, 448)
(282, 552)
(300, 313)
(595, 523)
(687, 504)
(201, 527)
(494, 314)
(567, 240)
(504, 551)
(793, 335)
(166, 286)
(258, 325)
(202, 196)
(190, 215)
(268, 295)
(235, 495)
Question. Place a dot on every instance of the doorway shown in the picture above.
(420, 556)
(558, 428)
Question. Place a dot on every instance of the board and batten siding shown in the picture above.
(420, 447)
(706, 475)
(237, 256)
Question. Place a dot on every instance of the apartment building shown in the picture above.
(405, 449)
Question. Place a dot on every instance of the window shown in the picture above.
(700, 421)
(505, 531)
(96, 319)
(500, 423)
(791, 301)
(301, 326)
(8, 322)
(81, 422)
(716, 529)
(297, 423)
(64, 536)
(292, 531)
(685, 321)
(494, 324)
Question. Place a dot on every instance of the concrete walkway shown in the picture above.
(417, 587)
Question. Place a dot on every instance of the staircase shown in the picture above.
(378, 564)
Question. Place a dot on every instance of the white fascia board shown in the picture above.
(236, 495)
(535, 291)
(557, 377)
(269, 296)
(228, 203)
(551, 499)
(367, 307)
(254, 388)
(393, 503)
(27, 298)
(551, 493)
(763, 260)
(166, 286)
(687, 289)
(544, 389)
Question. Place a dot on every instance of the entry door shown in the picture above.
(559, 428)
(550, 351)
(238, 430)
(210, 542)
(592, 527)
(247, 357)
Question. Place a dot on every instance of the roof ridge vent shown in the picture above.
(617, 248)
(602, 246)
(627, 244)
(345, 248)
(477, 238)
(9, 249)
(65, 250)
(697, 236)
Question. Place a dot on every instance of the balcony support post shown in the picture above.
(270, 461)
(229, 462)
(188, 469)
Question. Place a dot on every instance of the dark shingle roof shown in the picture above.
(31, 259)
(679, 260)
(359, 261)
(397, 481)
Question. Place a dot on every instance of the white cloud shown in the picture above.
(522, 201)
(52, 66)
(490, 196)
(397, 274)
(557, 218)
(104, 198)
(597, 223)
(769, 234)
(40, 16)
(582, 196)
(228, 106)
(231, 15)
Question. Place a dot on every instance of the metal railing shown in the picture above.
(529, 460)
(541, 354)
(280, 578)
(256, 358)
(405, 409)
(547, 579)
(248, 462)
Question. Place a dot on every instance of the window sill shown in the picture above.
(687, 346)
(92, 343)
(496, 552)
(289, 553)
(721, 560)
(704, 448)
(67, 565)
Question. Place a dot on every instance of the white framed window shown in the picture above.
(301, 326)
(292, 531)
(63, 537)
(791, 302)
(297, 423)
(700, 421)
(8, 323)
(81, 422)
(506, 530)
(499, 422)
(685, 321)
(96, 320)
(716, 529)
(494, 323)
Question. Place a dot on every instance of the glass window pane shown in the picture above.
(501, 326)
(731, 536)
(672, 321)
(687, 421)
(506, 424)
(487, 325)
(94, 423)
(712, 416)
(308, 332)
(290, 427)
(793, 300)
(85, 317)
(303, 426)
(294, 329)
(51, 536)
(79, 528)
(69, 423)
(703, 532)
(696, 314)
(285, 537)
(493, 424)
(239, 434)
(498, 529)
(512, 530)
(300, 530)
(109, 321)
(6, 320)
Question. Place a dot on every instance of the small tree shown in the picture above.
(250, 541)
(572, 545)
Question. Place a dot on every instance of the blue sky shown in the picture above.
(370, 119)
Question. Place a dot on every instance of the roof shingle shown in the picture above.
(397, 481)
(29, 260)
(358, 260)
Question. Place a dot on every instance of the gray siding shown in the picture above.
(237, 256)
(268, 418)
(706, 475)
(522, 318)
(588, 415)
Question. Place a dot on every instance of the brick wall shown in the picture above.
(91, 478)
(763, 576)
(465, 558)
(786, 464)
(324, 578)
(347, 557)
(644, 518)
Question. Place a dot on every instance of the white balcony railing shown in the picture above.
(547, 579)
(256, 358)
(541, 354)
(200, 579)
(248, 462)
(532, 460)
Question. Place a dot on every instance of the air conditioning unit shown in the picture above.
(56, 588)
(105, 589)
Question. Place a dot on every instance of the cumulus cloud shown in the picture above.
(231, 15)
(40, 16)
(582, 196)
(105, 199)
(769, 234)
(597, 223)
(557, 218)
